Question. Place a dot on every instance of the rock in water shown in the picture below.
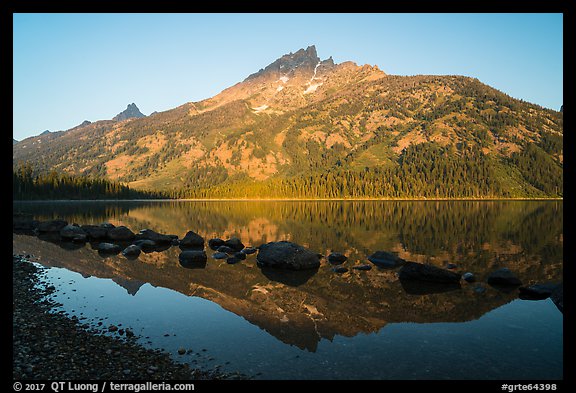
(337, 258)
(362, 267)
(339, 269)
(192, 240)
(193, 259)
(220, 255)
(422, 272)
(70, 231)
(240, 255)
(226, 249)
(537, 291)
(234, 243)
(51, 226)
(469, 277)
(232, 260)
(287, 255)
(95, 232)
(109, 248)
(131, 251)
(503, 277)
(386, 259)
(215, 243)
(148, 234)
(120, 233)
(249, 250)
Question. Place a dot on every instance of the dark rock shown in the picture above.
(232, 260)
(181, 351)
(286, 255)
(422, 272)
(537, 291)
(469, 277)
(337, 258)
(558, 297)
(479, 289)
(112, 328)
(175, 242)
(234, 243)
(451, 266)
(339, 269)
(503, 277)
(193, 259)
(226, 250)
(95, 232)
(24, 223)
(129, 333)
(192, 240)
(215, 243)
(80, 238)
(109, 248)
(70, 231)
(386, 259)
(52, 225)
(362, 267)
(131, 251)
(240, 255)
(107, 225)
(220, 255)
(120, 233)
(249, 250)
(148, 234)
(146, 245)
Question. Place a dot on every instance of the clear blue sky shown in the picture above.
(74, 67)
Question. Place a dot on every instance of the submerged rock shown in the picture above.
(362, 267)
(287, 255)
(503, 277)
(95, 232)
(220, 255)
(249, 250)
(469, 277)
(386, 259)
(422, 272)
(337, 258)
(232, 260)
(240, 255)
(70, 231)
(226, 249)
(339, 269)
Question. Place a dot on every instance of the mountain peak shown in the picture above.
(130, 112)
(304, 59)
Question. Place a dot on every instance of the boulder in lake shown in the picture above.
(146, 245)
(249, 250)
(120, 233)
(503, 277)
(386, 259)
(215, 243)
(537, 291)
(149, 234)
(107, 225)
(192, 240)
(226, 249)
(193, 259)
(339, 269)
(70, 231)
(469, 277)
(232, 260)
(287, 255)
(234, 243)
(337, 258)
(239, 255)
(412, 271)
(95, 232)
(362, 267)
(25, 224)
(80, 238)
(220, 255)
(131, 251)
(52, 225)
(109, 248)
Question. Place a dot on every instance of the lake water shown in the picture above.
(323, 325)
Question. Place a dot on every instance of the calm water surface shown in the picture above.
(322, 325)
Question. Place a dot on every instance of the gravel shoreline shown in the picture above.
(52, 346)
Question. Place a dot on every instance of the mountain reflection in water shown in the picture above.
(301, 309)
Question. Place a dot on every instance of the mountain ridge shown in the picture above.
(302, 117)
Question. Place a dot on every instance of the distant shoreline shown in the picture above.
(293, 200)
